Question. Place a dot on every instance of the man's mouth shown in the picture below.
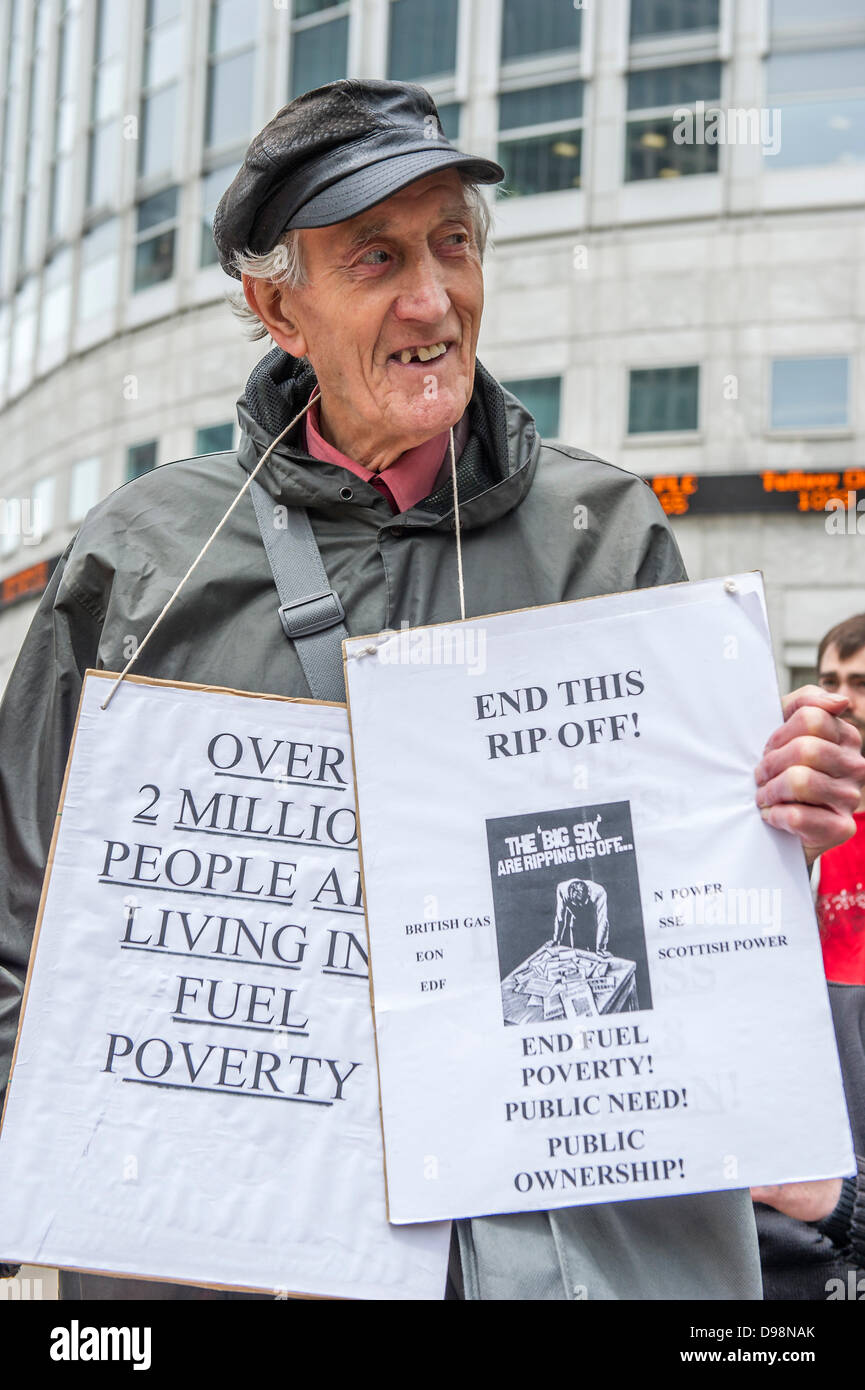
(421, 355)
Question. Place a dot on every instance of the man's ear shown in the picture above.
(271, 303)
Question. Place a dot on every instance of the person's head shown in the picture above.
(578, 893)
(404, 275)
(368, 248)
(841, 668)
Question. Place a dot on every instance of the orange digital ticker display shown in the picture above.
(770, 490)
(26, 583)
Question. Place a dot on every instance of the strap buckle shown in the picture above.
(306, 616)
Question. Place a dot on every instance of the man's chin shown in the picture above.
(422, 424)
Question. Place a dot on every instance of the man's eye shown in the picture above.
(364, 260)
(464, 237)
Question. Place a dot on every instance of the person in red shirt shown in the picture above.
(840, 872)
(812, 1245)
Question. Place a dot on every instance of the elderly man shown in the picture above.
(358, 231)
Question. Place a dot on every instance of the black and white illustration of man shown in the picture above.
(581, 916)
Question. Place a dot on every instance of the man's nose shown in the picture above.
(423, 296)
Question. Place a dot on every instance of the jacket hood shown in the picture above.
(494, 470)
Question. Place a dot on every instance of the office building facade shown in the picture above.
(677, 281)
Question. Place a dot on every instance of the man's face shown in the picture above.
(404, 274)
(846, 678)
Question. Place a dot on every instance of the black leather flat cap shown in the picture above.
(330, 154)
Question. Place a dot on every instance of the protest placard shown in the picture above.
(194, 1094)
(596, 969)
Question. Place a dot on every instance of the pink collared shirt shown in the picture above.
(410, 479)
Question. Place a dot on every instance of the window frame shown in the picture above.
(150, 233)
(251, 46)
(218, 425)
(438, 76)
(809, 431)
(545, 53)
(340, 9)
(686, 433)
(541, 130)
(73, 515)
(658, 35)
(141, 444)
(810, 97)
(638, 115)
(154, 178)
(508, 382)
(96, 127)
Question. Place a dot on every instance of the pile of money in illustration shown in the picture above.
(557, 983)
(564, 982)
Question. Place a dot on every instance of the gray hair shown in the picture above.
(284, 265)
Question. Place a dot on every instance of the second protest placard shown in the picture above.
(596, 970)
(194, 1090)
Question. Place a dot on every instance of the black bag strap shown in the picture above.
(310, 612)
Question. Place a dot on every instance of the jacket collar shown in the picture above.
(494, 471)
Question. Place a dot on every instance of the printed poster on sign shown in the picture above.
(569, 924)
(596, 971)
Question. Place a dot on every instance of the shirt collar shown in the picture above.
(409, 479)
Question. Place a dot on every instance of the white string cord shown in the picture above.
(204, 549)
(457, 528)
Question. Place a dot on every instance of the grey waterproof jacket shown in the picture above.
(539, 523)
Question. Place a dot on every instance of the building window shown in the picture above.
(29, 232)
(213, 185)
(231, 65)
(23, 333)
(157, 130)
(214, 439)
(422, 40)
(540, 137)
(42, 508)
(10, 526)
(319, 45)
(821, 97)
(106, 101)
(656, 98)
(63, 137)
(140, 459)
(654, 18)
(663, 398)
(542, 26)
(154, 240)
(541, 397)
(100, 263)
(83, 488)
(449, 119)
(810, 393)
(56, 298)
(788, 16)
(11, 44)
(5, 318)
